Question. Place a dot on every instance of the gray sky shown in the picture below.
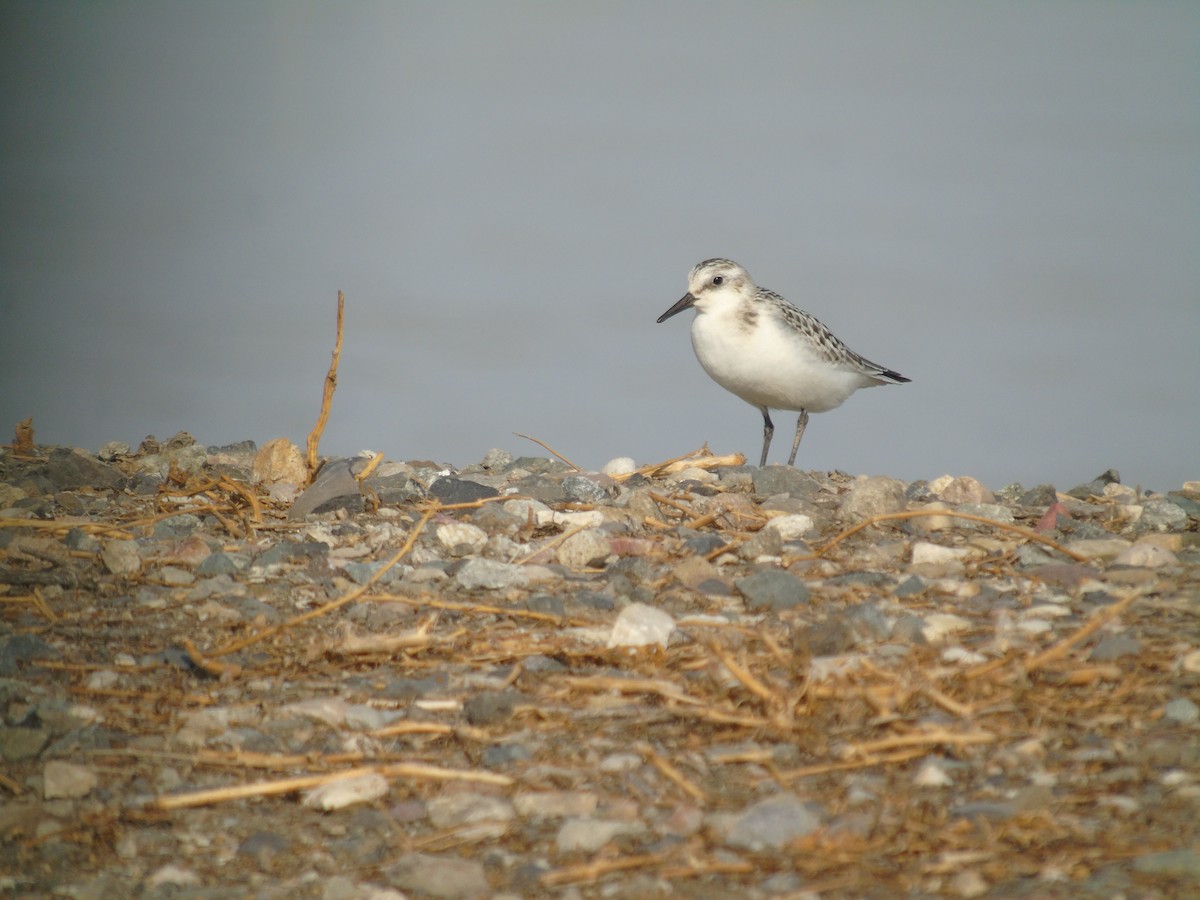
(999, 200)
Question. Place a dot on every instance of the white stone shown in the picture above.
(347, 791)
(1099, 548)
(622, 465)
(121, 557)
(940, 625)
(791, 527)
(925, 552)
(932, 775)
(589, 519)
(639, 625)
(1146, 556)
(589, 835)
(587, 548)
(453, 534)
(61, 779)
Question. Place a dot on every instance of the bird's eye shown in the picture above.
(718, 279)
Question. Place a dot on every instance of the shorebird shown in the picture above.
(758, 346)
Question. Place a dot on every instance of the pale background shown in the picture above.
(999, 200)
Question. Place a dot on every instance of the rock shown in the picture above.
(541, 805)
(622, 465)
(70, 469)
(1146, 556)
(1183, 865)
(964, 489)
(438, 876)
(766, 543)
(584, 489)
(67, 780)
(589, 835)
(1182, 710)
(489, 708)
(639, 625)
(460, 490)
(335, 488)
(278, 461)
(772, 823)
(22, 743)
(771, 480)
(462, 538)
(1114, 646)
(489, 574)
(875, 496)
(1162, 515)
(587, 549)
(347, 792)
(925, 553)
(453, 810)
(772, 589)
(1099, 548)
(791, 527)
(122, 558)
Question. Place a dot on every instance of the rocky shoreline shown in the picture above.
(518, 679)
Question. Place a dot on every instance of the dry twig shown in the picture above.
(314, 436)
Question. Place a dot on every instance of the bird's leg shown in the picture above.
(768, 430)
(801, 422)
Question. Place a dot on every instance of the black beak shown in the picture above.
(685, 302)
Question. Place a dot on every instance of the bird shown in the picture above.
(757, 345)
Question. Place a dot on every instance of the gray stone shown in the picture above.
(772, 589)
(221, 563)
(489, 574)
(22, 648)
(767, 542)
(541, 487)
(66, 780)
(588, 835)
(1095, 487)
(771, 480)
(122, 558)
(334, 488)
(176, 527)
(438, 876)
(1161, 515)
(460, 490)
(1182, 710)
(1180, 864)
(586, 549)
(584, 489)
(69, 469)
(875, 496)
(1041, 496)
(1114, 646)
(452, 810)
(490, 707)
(771, 823)
(22, 743)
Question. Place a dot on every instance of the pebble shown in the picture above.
(122, 558)
(791, 527)
(491, 575)
(1182, 710)
(448, 877)
(773, 590)
(963, 489)
(61, 779)
(587, 835)
(347, 792)
(586, 549)
(771, 823)
(874, 496)
(639, 625)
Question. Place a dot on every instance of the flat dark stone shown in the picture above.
(459, 490)
(772, 589)
(69, 469)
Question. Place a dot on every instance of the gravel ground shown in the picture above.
(519, 679)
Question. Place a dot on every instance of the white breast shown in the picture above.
(768, 363)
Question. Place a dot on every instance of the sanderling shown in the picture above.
(755, 344)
